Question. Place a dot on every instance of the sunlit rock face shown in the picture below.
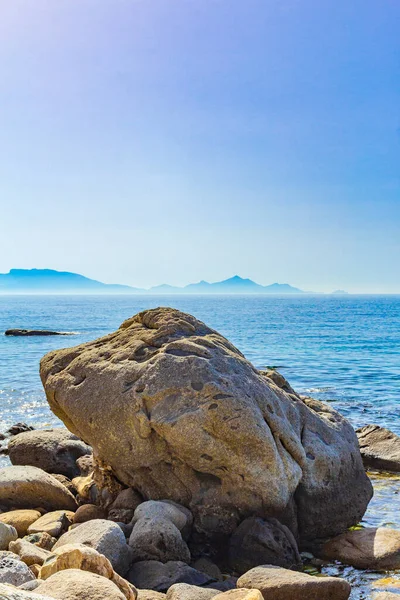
(177, 412)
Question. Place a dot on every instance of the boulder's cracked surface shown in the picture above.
(177, 412)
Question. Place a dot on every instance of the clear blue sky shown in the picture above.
(152, 141)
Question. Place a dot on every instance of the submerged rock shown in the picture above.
(377, 549)
(380, 448)
(30, 332)
(193, 421)
(281, 584)
(53, 450)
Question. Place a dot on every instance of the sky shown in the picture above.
(167, 141)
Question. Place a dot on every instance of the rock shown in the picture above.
(20, 519)
(18, 428)
(158, 539)
(73, 584)
(78, 556)
(242, 594)
(54, 523)
(30, 332)
(225, 585)
(88, 512)
(7, 535)
(193, 421)
(14, 571)
(154, 575)
(66, 482)
(8, 554)
(53, 450)
(260, 542)
(12, 593)
(380, 448)
(85, 464)
(280, 584)
(386, 596)
(150, 595)
(86, 488)
(377, 549)
(124, 506)
(29, 553)
(153, 509)
(41, 540)
(29, 487)
(205, 565)
(279, 381)
(184, 591)
(105, 537)
(35, 570)
(30, 585)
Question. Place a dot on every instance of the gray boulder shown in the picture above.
(195, 422)
(159, 539)
(30, 487)
(380, 448)
(184, 591)
(104, 536)
(53, 450)
(163, 510)
(8, 534)
(155, 575)
(14, 572)
(262, 542)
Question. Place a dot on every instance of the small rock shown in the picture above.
(158, 539)
(66, 482)
(14, 571)
(53, 450)
(88, 512)
(105, 537)
(87, 489)
(7, 535)
(54, 523)
(20, 519)
(19, 428)
(30, 585)
(242, 594)
(205, 565)
(8, 592)
(128, 499)
(150, 595)
(225, 585)
(41, 540)
(73, 584)
(29, 553)
(157, 509)
(281, 584)
(30, 487)
(262, 542)
(377, 549)
(154, 575)
(184, 591)
(85, 464)
(380, 448)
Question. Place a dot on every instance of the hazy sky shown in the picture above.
(152, 141)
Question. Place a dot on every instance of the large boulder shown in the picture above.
(30, 487)
(104, 536)
(177, 412)
(53, 450)
(380, 448)
(9, 592)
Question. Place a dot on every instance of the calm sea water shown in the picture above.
(341, 349)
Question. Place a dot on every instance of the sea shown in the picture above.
(344, 350)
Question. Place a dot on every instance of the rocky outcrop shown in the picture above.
(370, 548)
(380, 448)
(30, 487)
(193, 421)
(53, 450)
(281, 584)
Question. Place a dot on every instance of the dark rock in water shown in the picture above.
(262, 542)
(19, 428)
(53, 450)
(31, 332)
(177, 412)
(380, 448)
(154, 575)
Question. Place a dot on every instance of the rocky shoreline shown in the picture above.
(199, 477)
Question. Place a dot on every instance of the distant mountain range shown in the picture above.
(47, 281)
